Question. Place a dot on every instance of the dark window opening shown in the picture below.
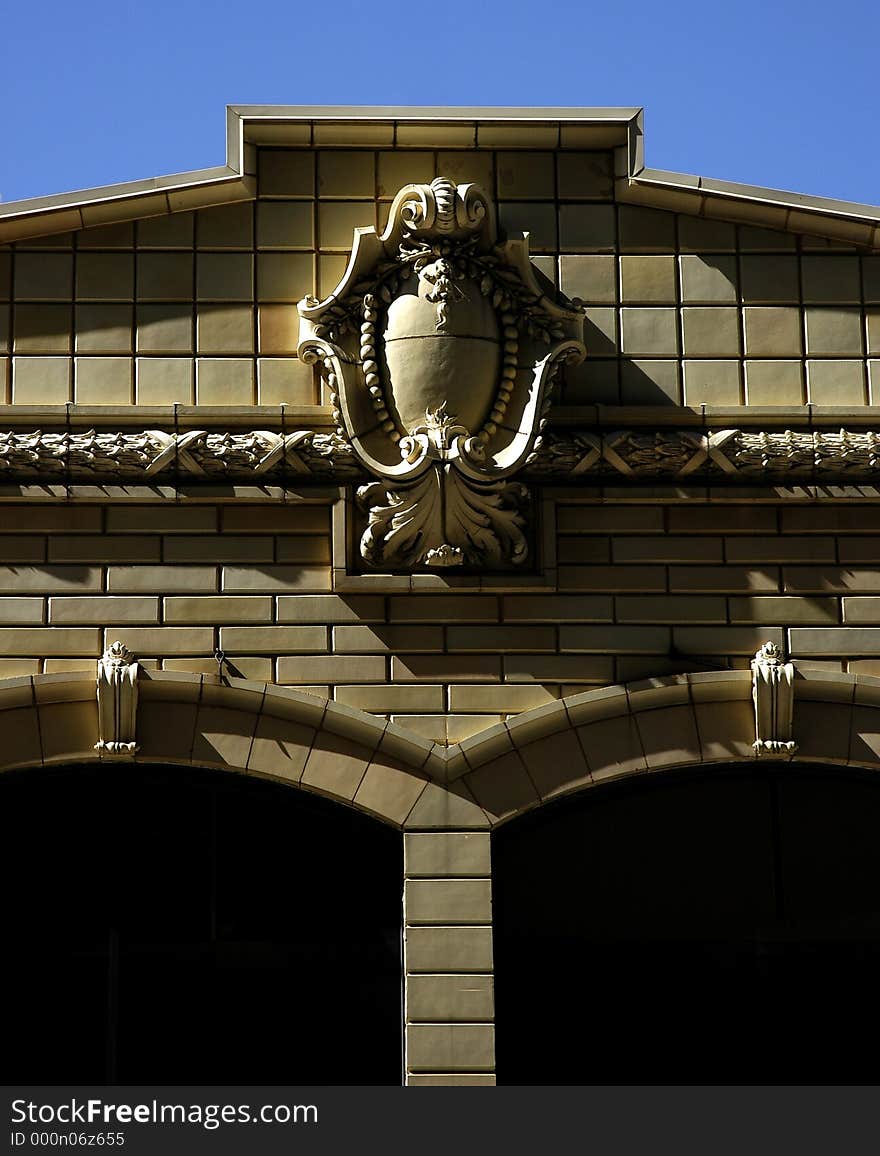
(176, 926)
(692, 928)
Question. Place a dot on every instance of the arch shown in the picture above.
(617, 732)
(247, 727)
(366, 762)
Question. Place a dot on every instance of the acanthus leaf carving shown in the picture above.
(443, 520)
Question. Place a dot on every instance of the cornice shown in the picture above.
(621, 129)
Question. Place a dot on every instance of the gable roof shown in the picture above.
(620, 129)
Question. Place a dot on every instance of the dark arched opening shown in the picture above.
(178, 926)
(720, 926)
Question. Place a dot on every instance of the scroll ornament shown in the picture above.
(773, 697)
(117, 703)
(440, 350)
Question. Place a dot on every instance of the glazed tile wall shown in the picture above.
(201, 307)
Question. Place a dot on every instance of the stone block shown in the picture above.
(784, 610)
(285, 381)
(223, 737)
(564, 668)
(285, 276)
(392, 699)
(450, 1047)
(168, 579)
(724, 640)
(40, 380)
(273, 639)
(836, 382)
(649, 332)
(49, 579)
(42, 328)
(69, 731)
(712, 383)
(502, 787)
(103, 381)
(224, 277)
(449, 807)
(432, 608)
(787, 548)
(508, 698)
(649, 382)
(20, 744)
(831, 278)
(669, 548)
(22, 611)
(275, 579)
(389, 789)
(44, 276)
(225, 329)
(165, 328)
(280, 748)
(590, 277)
(225, 227)
(382, 639)
(165, 277)
(525, 175)
(834, 332)
(192, 608)
(105, 276)
(707, 279)
(445, 668)
(587, 228)
(102, 328)
(447, 901)
(335, 766)
(613, 748)
(286, 172)
(767, 278)
(331, 608)
(774, 382)
(648, 279)
(447, 854)
(670, 608)
(332, 669)
(585, 175)
(501, 639)
(278, 329)
(103, 609)
(449, 999)
(646, 230)
(447, 949)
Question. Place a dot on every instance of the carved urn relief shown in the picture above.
(440, 351)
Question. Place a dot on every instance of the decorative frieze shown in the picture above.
(559, 455)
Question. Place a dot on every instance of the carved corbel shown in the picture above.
(773, 696)
(117, 703)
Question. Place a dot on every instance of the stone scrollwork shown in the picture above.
(773, 698)
(117, 703)
(440, 350)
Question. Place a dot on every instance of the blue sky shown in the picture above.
(773, 93)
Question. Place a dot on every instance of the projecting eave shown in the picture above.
(620, 129)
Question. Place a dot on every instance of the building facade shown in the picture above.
(454, 467)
